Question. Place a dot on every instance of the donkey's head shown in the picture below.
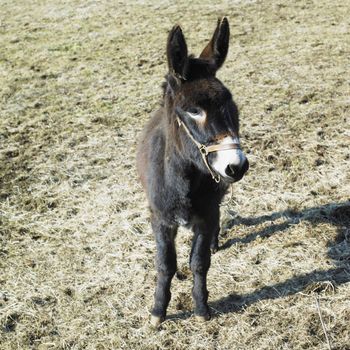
(201, 108)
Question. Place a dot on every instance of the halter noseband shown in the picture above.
(205, 150)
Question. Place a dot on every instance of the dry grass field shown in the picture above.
(78, 80)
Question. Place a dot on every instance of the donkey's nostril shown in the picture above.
(236, 172)
(232, 170)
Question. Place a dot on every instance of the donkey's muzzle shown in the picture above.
(236, 172)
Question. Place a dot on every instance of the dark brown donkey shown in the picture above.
(188, 155)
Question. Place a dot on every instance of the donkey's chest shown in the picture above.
(188, 219)
(183, 214)
(197, 207)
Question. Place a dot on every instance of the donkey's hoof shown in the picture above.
(156, 321)
(202, 318)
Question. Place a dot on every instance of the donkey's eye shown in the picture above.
(196, 113)
(194, 110)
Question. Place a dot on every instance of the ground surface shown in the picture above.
(78, 80)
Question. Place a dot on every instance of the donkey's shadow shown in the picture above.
(337, 214)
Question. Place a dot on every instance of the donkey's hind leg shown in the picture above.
(166, 267)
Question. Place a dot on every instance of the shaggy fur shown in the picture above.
(178, 184)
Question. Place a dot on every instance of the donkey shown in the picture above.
(188, 155)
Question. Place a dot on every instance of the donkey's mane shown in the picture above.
(196, 68)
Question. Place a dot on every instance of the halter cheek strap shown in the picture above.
(205, 150)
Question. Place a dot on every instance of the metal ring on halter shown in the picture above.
(203, 149)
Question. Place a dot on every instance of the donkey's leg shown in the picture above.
(200, 263)
(214, 245)
(200, 260)
(166, 267)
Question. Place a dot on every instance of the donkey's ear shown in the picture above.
(177, 53)
(217, 48)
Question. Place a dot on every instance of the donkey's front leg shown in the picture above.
(166, 267)
(214, 245)
(200, 263)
